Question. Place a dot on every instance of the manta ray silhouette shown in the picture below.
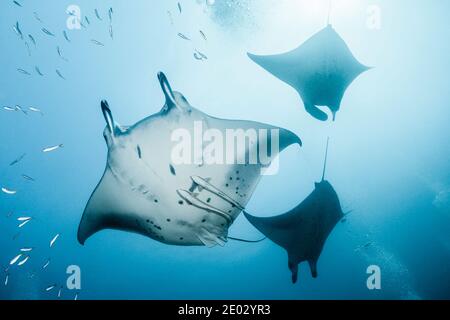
(302, 231)
(143, 191)
(320, 70)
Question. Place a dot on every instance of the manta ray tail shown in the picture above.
(326, 159)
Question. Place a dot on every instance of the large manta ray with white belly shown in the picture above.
(143, 191)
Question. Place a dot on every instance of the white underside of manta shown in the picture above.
(142, 191)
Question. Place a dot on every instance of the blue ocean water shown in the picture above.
(388, 159)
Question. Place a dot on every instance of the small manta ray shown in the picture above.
(143, 191)
(320, 70)
(303, 230)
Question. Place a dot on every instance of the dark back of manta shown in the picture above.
(303, 230)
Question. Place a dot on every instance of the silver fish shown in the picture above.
(47, 32)
(24, 218)
(200, 56)
(16, 161)
(182, 36)
(203, 35)
(110, 14)
(23, 223)
(52, 242)
(32, 39)
(17, 30)
(60, 74)
(6, 279)
(38, 71)
(58, 50)
(98, 43)
(170, 17)
(21, 263)
(33, 109)
(46, 264)
(28, 48)
(25, 72)
(66, 36)
(27, 177)
(19, 108)
(26, 249)
(15, 259)
(8, 191)
(50, 149)
(9, 108)
(36, 16)
(50, 288)
(97, 14)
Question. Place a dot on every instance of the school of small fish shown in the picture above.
(27, 256)
(198, 56)
(62, 42)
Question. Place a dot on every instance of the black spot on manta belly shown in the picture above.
(172, 170)
(139, 151)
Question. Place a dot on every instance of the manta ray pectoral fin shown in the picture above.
(288, 138)
(102, 208)
(316, 112)
(272, 64)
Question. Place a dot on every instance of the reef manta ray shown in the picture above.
(143, 191)
(302, 231)
(321, 70)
